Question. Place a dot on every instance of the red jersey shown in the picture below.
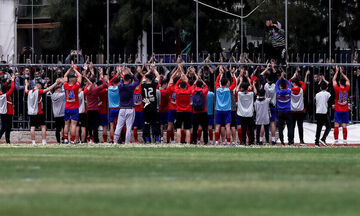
(341, 98)
(103, 99)
(41, 91)
(183, 98)
(72, 95)
(164, 103)
(10, 107)
(172, 97)
(85, 99)
(138, 100)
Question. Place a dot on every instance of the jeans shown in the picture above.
(126, 117)
(93, 124)
(6, 124)
(247, 123)
(299, 119)
(321, 120)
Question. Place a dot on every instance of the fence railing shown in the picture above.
(343, 56)
(50, 71)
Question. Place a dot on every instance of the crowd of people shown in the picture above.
(208, 104)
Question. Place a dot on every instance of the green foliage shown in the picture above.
(308, 23)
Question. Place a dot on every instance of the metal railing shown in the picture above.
(51, 67)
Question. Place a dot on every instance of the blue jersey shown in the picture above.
(210, 103)
(283, 97)
(114, 97)
(223, 99)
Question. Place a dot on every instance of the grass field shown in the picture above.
(179, 181)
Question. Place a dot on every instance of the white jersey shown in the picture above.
(270, 92)
(33, 102)
(297, 101)
(245, 104)
(262, 112)
(3, 104)
(321, 100)
(81, 102)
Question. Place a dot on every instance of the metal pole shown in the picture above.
(330, 30)
(107, 32)
(242, 28)
(15, 34)
(152, 27)
(77, 30)
(286, 30)
(197, 30)
(32, 31)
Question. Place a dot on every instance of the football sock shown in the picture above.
(211, 135)
(168, 136)
(217, 136)
(135, 135)
(336, 133)
(240, 134)
(345, 133)
(105, 138)
(199, 134)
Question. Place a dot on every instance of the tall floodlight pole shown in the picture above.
(77, 31)
(330, 30)
(242, 27)
(152, 27)
(197, 30)
(15, 35)
(32, 31)
(286, 30)
(107, 32)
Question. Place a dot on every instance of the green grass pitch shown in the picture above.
(179, 181)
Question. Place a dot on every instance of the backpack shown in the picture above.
(3, 104)
(198, 101)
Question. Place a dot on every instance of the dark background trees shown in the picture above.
(174, 23)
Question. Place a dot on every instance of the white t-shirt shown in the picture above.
(262, 112)
(245, 104)
(270, 92)
(322, 99)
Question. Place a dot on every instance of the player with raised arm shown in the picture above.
(126, 116)
(72, 84)
(148, 90)
(35, 111)
(223, 104)
(341, 104)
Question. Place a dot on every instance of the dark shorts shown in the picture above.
(72, 114)
(183, 118)
(37, 120)
(233, 119)
(238, 119)
(223, 117)
(104, 121)
(82, 122)
(139, 120)
(171, 116)
(272, 114)
(113, 114)
(341, 117)
(211, 120)
(164, 118)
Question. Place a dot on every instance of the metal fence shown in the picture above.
(50, 67)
